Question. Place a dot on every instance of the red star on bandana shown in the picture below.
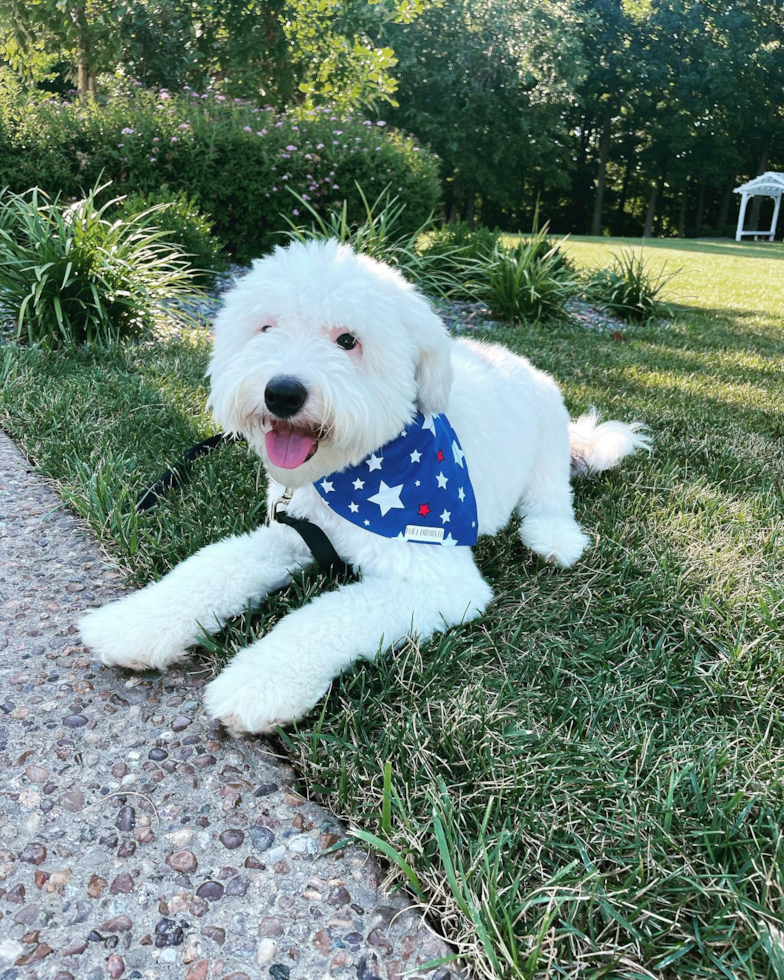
(440, 456)
(424, 510)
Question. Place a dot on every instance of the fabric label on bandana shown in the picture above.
(415, 488)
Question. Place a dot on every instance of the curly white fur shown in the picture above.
(513, 426)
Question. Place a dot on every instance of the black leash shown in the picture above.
(324, 554)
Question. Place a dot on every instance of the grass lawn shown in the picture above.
(588, 781)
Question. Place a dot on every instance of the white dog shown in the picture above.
(322, 358)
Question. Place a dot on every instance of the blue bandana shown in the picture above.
(415, 488)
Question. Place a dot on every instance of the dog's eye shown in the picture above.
(265, 328)
(347, 341)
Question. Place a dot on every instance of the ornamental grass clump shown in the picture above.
(529, 283)
(185, 227)
(71, 275)
(629, 288)
(383, 234)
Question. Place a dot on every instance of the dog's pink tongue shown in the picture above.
(288, 448)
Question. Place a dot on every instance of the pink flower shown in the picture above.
(295, 212)
(155, 139)
(320, 146)
(174, 139)
(336, 187)
(275, 189)
(291, 148)
(247, 129)
(126, 131)
(152, 159)
(305, 197)
(381, 123)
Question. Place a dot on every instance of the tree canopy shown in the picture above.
(614, 115)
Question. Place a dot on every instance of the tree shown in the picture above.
(83, 32)
(486, 84)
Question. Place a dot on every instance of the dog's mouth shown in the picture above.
(289, 446)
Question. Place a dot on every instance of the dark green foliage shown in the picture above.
(628, 287)
(71, 274)
(526, 284)
(234, 160)
(186, 227)
(460, 239)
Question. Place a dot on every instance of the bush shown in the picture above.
(232, 158)
(529, 283)
(69, 275)
(459, 239)
(182, 225)
(628, 288)
(384, 235)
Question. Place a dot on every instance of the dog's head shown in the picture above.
(322, 356)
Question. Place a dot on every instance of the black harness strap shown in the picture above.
(178, 474)
(324, 554)
(327, 559)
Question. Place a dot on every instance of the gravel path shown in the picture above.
(138, 839)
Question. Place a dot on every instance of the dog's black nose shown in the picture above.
(284, 397)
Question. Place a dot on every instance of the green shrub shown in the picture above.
(383, 234)
(232, 158)
(185, 226)
(629, 288)
(460, 239)
(69, 275)
(529, 283)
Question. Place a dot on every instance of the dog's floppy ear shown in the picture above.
(434, 364)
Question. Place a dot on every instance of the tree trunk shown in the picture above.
(82, 76)
(756, 202)
(660, 205)
(682, 212)
(604, 146)
(651, 212)
(470, 209)
(724, 210)
(624, 194)
(700, 206)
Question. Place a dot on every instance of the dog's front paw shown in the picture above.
(557, 540)
(123, 634)
(257, 693)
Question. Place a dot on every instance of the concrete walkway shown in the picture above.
(137, 838)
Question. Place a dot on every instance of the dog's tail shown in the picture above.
(596, 446)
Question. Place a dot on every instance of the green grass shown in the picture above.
(588, 781)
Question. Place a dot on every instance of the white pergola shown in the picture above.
(769, 184)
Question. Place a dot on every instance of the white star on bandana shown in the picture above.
(387, 498)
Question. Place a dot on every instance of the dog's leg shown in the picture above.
(155, 626)
(549, 527)
(282, 676)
